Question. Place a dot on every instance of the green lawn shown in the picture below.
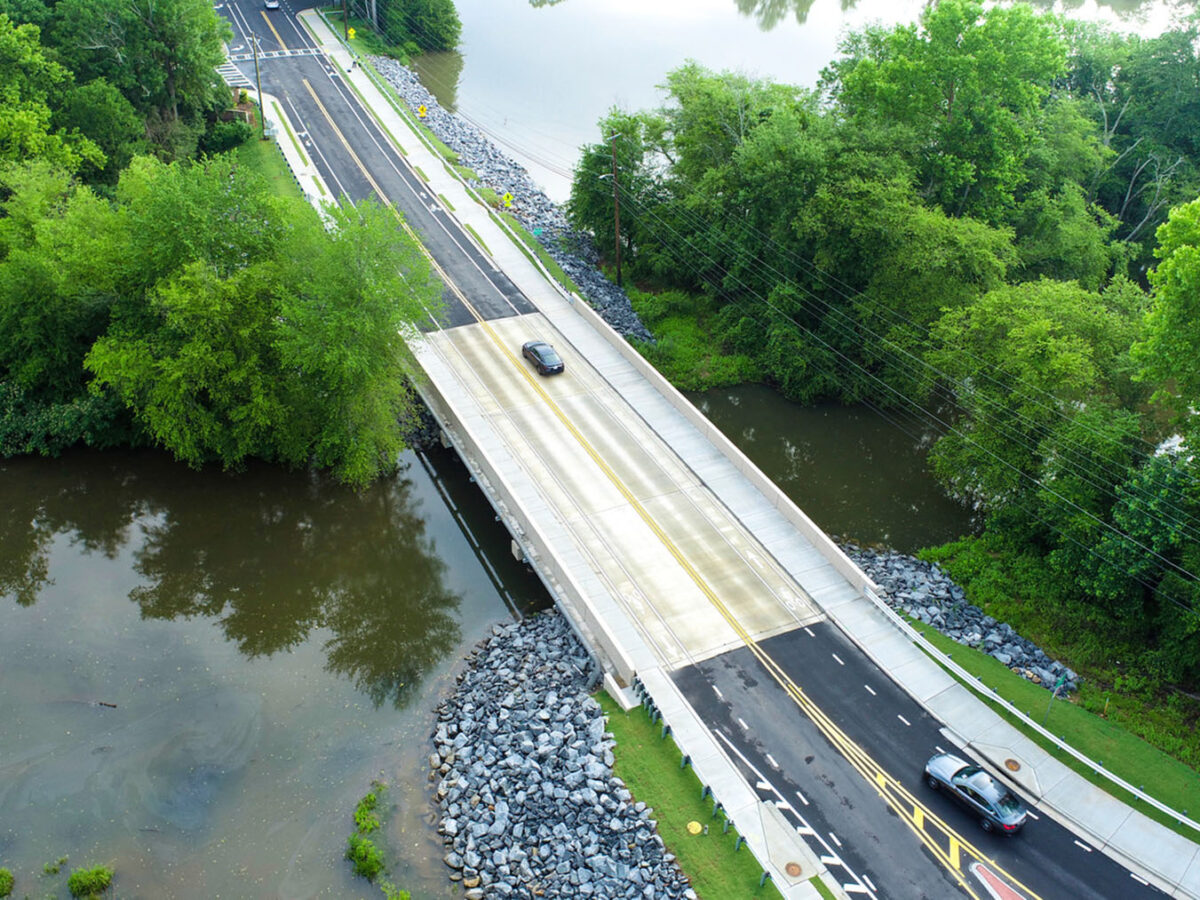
(650, 768)
(534, 246)
(1122, 753)
(266, 159)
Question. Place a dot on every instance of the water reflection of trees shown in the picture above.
(269, 555)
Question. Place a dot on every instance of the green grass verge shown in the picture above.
(366, 39)
(478, 238)
(1124, 754)
(467, 174)
(291, 134)
(265, 158)
(424, 177)
(650, 768)
(366, 105)
(533, 246)
(448, 204)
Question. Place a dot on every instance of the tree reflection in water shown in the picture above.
(269, 555)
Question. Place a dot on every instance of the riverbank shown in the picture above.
(922, 591)
(529, 204)
(525, 786)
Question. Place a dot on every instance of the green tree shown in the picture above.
(251, 331)
(1170, 355)
(100, 112)
(430, 24)
(1024, 361)
(161, 54)
(968, 84)
(29, 82)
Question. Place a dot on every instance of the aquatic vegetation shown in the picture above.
(90, 882)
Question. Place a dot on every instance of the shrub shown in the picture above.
(6, 882)
(90, 882)
(225, 136)
(368, 861)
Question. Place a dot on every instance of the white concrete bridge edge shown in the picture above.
(716, 769)
(592, 615)
(1130, 852)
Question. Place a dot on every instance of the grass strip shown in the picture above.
(1120, 752)
(424, 177)
(366, 105)
(649, 766)
(541, 253)
(449, 205)
(291, 134)
(475, 234)
(266, 158)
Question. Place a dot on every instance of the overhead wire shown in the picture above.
(822, 310)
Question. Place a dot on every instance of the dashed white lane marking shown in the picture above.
(838, 658)
(1032, 814)
(868, 882)
(1083, 846)
(784, 805)
(854, 889)
(834, 838)
(802, 798)
(742, 722)
(1139, 880)
(808, 631)
(904, 720)
(771, 761)
(717, 691)
(870, 690)
(938, 748)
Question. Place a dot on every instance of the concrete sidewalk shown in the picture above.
(1162, 857)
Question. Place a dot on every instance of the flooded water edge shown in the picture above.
(202, 673)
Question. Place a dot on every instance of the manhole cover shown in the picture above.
(793, 869)
(1012, 765)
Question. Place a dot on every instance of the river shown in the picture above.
(537, 76)
(203, 672)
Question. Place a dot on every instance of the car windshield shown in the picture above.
(967, 772)
(1008, 804)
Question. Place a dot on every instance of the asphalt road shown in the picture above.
(792, 761)
(872, 850)
(357, 160)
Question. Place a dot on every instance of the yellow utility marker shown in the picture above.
(914, 814)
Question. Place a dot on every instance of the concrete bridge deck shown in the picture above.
(668, 548)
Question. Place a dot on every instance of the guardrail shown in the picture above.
(975, 684)
(797, 517)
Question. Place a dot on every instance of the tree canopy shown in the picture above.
(969, 222)
(226, 322)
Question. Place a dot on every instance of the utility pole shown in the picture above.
(345, 21)
(262, 104)
(616, 205)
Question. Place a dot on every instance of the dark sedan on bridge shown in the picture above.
(996, 806)
(543, 357)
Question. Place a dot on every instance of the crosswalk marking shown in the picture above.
(275, 54)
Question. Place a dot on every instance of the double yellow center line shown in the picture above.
(911, 811)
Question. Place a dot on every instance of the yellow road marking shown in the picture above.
(267, 19)
(894, 793)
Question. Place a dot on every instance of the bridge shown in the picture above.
(704, 593)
